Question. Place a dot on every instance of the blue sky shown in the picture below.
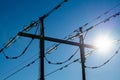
(16, 14)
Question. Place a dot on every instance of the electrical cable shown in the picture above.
(103, 21)
(23, 52)
(54, 46)
(32, 62)
(16, 37)
(62, 67)
(25, 49)
(95, 67)
(58, 63)
(17, 66)
(98, 17)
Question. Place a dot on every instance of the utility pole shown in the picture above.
(82, 54)
(42, 48)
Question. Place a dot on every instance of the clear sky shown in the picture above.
(16, 14)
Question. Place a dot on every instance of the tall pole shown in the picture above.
(42, 39)
(42, 48)
(82, 54)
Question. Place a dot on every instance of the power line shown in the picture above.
(61, 68)
(23, 52)
(17, 66)
(95, 67)
(65, 66)
(58, 63)
(25, 49)
(103, 21)
(16, 37)
(98, 17)
(56, 45)
(32, 62)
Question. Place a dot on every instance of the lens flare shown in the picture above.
(103, 43)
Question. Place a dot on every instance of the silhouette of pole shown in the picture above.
(42, 38)
(82, 55)
(42, 48)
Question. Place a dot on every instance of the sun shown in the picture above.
(103, 43)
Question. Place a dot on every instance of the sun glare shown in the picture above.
(103, 43)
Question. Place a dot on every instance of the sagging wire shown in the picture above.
(29, 64)
(62, 62)
(16, 37)
(10, 42)
(25, 49)
(58, 63)
(65, 66)
(61, 68)
(95, 67)
(23, 52)
(54, 46)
